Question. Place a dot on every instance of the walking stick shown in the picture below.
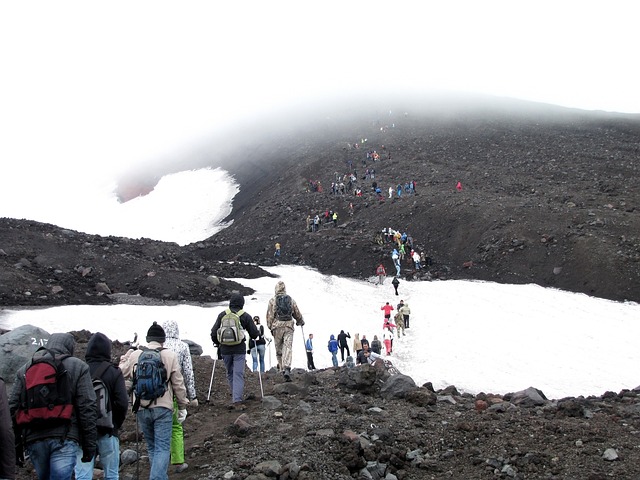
(213, 370)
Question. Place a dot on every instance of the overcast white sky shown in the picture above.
(103, 85)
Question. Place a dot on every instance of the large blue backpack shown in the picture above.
(150, 377)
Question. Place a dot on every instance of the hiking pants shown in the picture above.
(108, 447)
(177, 438)
(235, 374)
(406, 321)
(283, 338)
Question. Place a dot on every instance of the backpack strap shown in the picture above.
(100, 371)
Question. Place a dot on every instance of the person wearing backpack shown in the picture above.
(52, 443)
(116, 402)
(282, 311)
(258, 347)
(181, 349)
(157, 379)
(228, 336)
(7, 439)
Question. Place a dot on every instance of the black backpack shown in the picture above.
(103, 399)
(284, 307)
(46, 400)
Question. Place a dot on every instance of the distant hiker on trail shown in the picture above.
(416, 260)
(277, 252)
(333, 348)
(282, 311)
(156, 416)
(227, 334)
(98, 357)
(381, 273)
(335, 219)
(342, 343)
(309, 348)
(357, 344)
(390, 192)
(50, 442)
(258, 346)
(395, 282)
(459, 187)
(387, 311)
(400, 326)
(316, 223)
(376, 346)
(406, 311)
(386, 339)
(309, 223)
(181, 349)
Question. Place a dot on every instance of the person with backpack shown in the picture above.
(112, 403)
(395, 282)
(54, 405)
(181, 349)
(376, 346)
(228, 335)
(342, 343)
(7, 439)
(157, 379)
(258, 346)
(282, 311)
(333, 348)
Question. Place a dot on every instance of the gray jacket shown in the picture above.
(83, 419)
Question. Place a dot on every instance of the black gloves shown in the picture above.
(87, 455)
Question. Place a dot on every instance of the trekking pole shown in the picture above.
(213, 370)
(137, 450)
(260, 378)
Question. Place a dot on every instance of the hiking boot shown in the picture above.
(182, 467)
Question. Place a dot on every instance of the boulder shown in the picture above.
(17, 347)
(398, 386)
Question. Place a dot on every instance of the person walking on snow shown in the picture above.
(342, 343)
(387, 311)
(282, 312)
(381, 273)
(405, 311)
(395, 282)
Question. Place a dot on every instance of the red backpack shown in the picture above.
(46, 399)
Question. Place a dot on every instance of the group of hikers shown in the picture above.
(63, 412)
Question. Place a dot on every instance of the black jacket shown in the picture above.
(235, 304)
(83, 420)
(99, 351)
(342, 338)
(260, 340)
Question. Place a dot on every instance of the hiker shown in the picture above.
(395, 282)
(234, 351)
(342, 343)
(309, 223)
(357, 344)
(387, 311)
(335, 219)
(7, 439)
(277, 252)
(400, 305)
(98, 357)
(381, 273)
(366, 356)
(333, 348)
(155, 416)
(400, 325)
(376, 346)
(281, 313)
(416, 260)
(50, 443)
(258, 346)
(181, 349)
(364, 341)
(406, 311)
(309, 348)
(386, 339)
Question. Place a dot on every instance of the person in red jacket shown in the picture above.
(387, 311)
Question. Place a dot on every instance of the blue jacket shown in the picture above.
(333, 344)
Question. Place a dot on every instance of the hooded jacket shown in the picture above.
(333, 344)
(83, 420)
(181, 349)
(272, 321)
(357, 344)
(99, 351)
(236, 303)
(342, 339)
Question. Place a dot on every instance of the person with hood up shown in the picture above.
(108, 444)
(357, 344)
(156, 416)
(282, 327)
(376, 346)
(52, 448)
(333, 348)
(234, 356)
(181, 349)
